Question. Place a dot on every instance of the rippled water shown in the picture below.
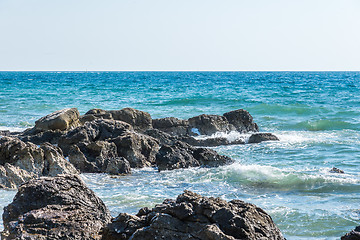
(315, 115)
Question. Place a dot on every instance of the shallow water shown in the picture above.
(315, 115)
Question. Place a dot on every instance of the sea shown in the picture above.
(316, 116)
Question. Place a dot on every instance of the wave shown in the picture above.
(306, 180)
(321, 125)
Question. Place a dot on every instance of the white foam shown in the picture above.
(230, 136)
(12, 129)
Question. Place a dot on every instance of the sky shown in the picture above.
(166, 35)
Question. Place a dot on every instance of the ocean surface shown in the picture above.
(316, 115)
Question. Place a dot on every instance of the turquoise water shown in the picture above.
(315, 115)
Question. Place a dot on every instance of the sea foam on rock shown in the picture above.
(59, 207)
(192, 216)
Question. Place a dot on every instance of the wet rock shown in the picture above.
(64, 119)
(336, 170)
(20, 161)
(59, 207)
(242, 121)
(261, 137)
(193, 216)
(172, 125)
(353, 235)
(207, 142)
(182, 155)
(210, 124)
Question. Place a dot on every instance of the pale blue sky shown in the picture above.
(179, 35)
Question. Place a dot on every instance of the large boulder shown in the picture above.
(100, 141)
(353, 235)
(182, 155)
(139, 120)
(63, 120)
(261, 137)
(242, 121)
(210, 124)
(20, 161)
(193, 216)
(172, 125)
(59, 207)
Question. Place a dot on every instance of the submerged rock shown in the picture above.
(64, 119)
(182, 155)
(193, 216)
(353, 235)
(20, 161)
(336, 170)
(261, 137)
(59, 207)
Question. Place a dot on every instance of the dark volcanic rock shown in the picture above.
(182, 155)
(210, 124)
(139, 120)
(101, 140)
(193, 216)
(55, 208)
(261, 137)
(172, 125)
(64, 119)
(242, 121)
(20, 161)
(38, 136)
(353, 235)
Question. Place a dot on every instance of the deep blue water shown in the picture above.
(315, 115)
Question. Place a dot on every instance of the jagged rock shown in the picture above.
(38, 136)
(182, 155)
(117, 166)
(59, 207)
(261, 137)
(138, 119)
(210, 124)
(353, 235)
(101, 140)
(97, 130)
(172, 125)
(193, 216)
(336, 170)
(162, 137)
(20, 161)
(242, 121)
(64, 119)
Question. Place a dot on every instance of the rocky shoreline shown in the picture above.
(114, 142)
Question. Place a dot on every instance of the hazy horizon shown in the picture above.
(166, 35)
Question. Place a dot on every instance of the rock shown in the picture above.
(242, 121)
(5, 133)
(193, 216)
(172, 125)
(60, 120)
(59, 207)
(38, 136)
(138, 119)
(162, 137)
(117, 166)
(336, 170)
(139, 149)
(210, 124)
(101, 140)
(182, 155)
(20, 161)
(261, 137)
(353, 235)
